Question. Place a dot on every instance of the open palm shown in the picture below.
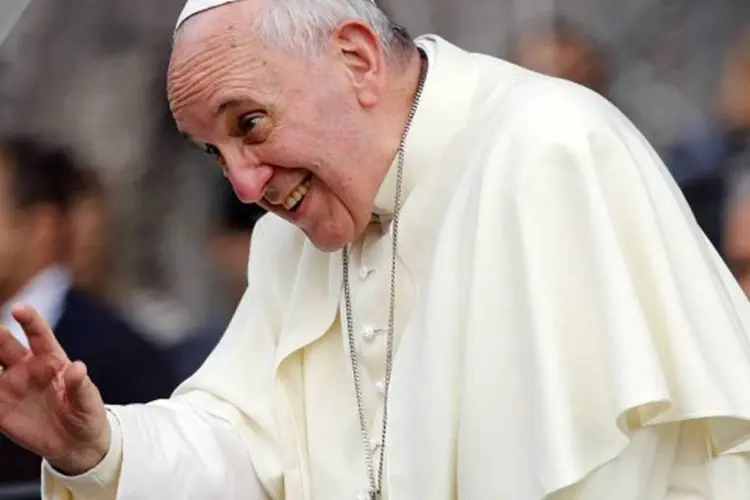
(48, 404)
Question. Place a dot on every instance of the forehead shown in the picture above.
(217, 62)
(215, 58)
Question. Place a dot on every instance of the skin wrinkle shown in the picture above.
(188, 77)
(212, 47)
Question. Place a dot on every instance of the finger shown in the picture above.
(43, 369)
(11, 350)
(83, 395)
(41, 338)
(75, 377)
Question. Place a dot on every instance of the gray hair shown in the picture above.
(303, 26)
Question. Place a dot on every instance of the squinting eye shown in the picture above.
(213, 151)
(247, 123)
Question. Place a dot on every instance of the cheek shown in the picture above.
(337, 187)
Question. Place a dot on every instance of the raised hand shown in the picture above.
(48, 404)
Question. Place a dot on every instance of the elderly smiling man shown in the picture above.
(476, 283)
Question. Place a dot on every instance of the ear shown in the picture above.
(362, 55)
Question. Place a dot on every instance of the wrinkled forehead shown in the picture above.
(203, 33)
(212, 62)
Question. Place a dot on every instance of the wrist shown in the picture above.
(81, 461)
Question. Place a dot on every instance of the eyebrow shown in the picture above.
(234, 102)
(224, 106)
(220, 109)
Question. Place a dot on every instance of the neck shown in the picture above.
(396, 116)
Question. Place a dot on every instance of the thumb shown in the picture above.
(82, 394)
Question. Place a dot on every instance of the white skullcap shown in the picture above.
(193, 7)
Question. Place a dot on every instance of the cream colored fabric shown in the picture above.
(560, 319)
(100, 482)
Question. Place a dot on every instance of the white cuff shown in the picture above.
(101, 481)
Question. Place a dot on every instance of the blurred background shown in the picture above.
(107, 214)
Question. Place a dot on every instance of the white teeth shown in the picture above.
(297, 195)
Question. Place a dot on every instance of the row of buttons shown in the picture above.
(369, 333)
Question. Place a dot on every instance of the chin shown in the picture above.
(331, 241)
(329, 245)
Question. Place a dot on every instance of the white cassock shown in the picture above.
(564, 329)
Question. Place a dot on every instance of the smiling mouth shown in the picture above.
(295, 199)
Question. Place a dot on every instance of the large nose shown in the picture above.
(248, 176)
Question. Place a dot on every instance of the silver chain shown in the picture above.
(376, 481)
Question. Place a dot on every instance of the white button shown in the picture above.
(368, 333)
(380, 387)
(365, 272)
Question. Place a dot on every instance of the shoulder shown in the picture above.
(83, 308)
(543, 122)
(546, 140)
(536, 109)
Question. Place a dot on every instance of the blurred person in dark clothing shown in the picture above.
(229, 248)
(91, 239)
(708, 148)
(706, 196)
(737, 225)
(701, 162)
(38, 187)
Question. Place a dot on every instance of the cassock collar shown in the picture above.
(441, 113)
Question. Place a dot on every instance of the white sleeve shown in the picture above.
(100, 483)
(166, 449)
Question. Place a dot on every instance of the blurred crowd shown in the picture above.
(136, 250)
